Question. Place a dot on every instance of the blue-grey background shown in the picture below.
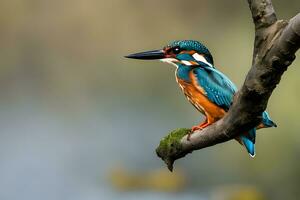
(73, 109)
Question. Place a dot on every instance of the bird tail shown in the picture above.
(248, 140)
(266, 121)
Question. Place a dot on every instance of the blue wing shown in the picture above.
(218, 88)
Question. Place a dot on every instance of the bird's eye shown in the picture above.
(176, 50)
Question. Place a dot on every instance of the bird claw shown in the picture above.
(193, 129)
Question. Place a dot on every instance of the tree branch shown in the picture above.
(276, 42)
(263, 13)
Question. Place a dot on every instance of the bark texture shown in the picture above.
(275, 44)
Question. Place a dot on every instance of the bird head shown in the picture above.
(180, 52)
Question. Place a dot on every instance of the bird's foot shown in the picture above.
(193, 129)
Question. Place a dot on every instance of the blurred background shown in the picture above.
(80, 122)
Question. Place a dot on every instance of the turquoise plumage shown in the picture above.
(220, 90)
(209, 90)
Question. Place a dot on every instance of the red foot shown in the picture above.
(195, 128)
(205, 125)
(200, 127)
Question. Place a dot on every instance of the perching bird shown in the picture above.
(208, 89)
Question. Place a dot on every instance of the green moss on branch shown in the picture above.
(170, 147)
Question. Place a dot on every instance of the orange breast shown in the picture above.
(195, 94)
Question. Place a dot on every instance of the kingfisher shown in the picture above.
(210, 91)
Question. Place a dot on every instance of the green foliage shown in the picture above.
(170, 146)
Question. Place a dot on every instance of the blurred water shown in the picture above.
(46, 156)
(72, 108)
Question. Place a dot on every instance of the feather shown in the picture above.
(218, 88)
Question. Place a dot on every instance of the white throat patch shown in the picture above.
(201, 58)
(185, 62)
(171, 61)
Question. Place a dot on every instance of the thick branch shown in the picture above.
(263, 13)
(263, 16)
(275, 45)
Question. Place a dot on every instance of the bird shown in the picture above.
(209, 90)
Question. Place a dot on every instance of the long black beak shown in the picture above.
(148, 55)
